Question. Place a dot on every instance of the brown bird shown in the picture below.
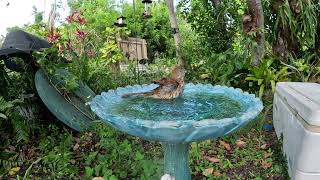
(169, 87)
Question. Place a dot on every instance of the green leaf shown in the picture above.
(273, 85)
(88, 172)
(261, 90)
(282, 71)
(3, 116)
(251, 79)
(260, 81)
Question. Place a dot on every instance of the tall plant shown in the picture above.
(8, 117)
(294, 27)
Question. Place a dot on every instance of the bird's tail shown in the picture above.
(136, 94)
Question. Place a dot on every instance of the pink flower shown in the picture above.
(82, 21)
(69, 19)
(53, 37)
(81, 34)
(76, 17)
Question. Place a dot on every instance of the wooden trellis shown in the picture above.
(134, 48)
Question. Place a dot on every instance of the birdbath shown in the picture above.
(202, 112)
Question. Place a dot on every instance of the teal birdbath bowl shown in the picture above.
(202, 112)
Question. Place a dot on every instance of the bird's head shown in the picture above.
(179, 72)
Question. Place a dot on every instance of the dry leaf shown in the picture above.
(12, 148)
(98, 178)
(76, 146)
(266, 154)
(211, 159)
(264, 146)
(31, 152)
(73, 161)
(240, 143)
(207, 172)
(266, 165)
(77, 139)
(225, 145)
(217, 173)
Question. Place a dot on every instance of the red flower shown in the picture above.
(69, 19)
(81, 34)
(53, 37)
(76, 17)
(82, 21)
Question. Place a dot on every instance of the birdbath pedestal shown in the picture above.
(203, 112)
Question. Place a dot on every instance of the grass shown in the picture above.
(57, 152)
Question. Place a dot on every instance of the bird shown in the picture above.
(169, 87)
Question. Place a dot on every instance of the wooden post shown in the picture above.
(175, 29)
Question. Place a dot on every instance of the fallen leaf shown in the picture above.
(98, 178)
(207, 172)
(73, 161)
(77, 139)
(76, 146)
(211, 159)
(225, 145)
(217, 173)
(264, 146)
(240, 143)
(12, 148)
(14, 171)
(266, 155)
(31, 152)
(266, 165)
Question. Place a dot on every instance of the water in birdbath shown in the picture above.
(191, 106)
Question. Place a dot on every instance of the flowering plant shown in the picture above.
(78, 48)
(73, 43)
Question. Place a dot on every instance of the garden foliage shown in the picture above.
(217, 51)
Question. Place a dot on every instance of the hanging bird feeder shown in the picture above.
(121, 22)
(147, 8)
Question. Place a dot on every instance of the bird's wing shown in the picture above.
(162, 81)
(169, 86)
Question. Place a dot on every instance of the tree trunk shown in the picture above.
(317, 39)
(256, 12)
(175, 28)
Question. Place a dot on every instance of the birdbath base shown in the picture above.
(176, 161)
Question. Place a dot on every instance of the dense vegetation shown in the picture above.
(219, 43)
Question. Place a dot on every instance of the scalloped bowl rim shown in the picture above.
(250, 113)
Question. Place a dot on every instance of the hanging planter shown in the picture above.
(121, 22)
(147, 8)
